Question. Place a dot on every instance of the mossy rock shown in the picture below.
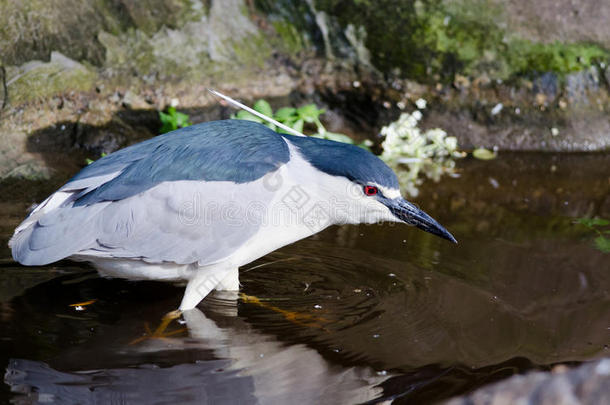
(225, 40)
(291, 40)
(39, 80)
(32, 29)
(432, 40)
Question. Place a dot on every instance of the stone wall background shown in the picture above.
(85, 77)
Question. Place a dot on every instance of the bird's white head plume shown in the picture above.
(237, 104)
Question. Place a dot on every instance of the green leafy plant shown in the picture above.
(602, 228)
(172, 120)
(297, 119)
(89, 161)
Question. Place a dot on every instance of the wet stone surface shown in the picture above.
(587, 384)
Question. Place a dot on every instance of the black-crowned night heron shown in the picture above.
(196, 204)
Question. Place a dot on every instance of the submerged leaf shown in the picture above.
(603, 244)
(591, 222)
(484, 154)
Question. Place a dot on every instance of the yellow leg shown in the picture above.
(291, 316)
(161, 332)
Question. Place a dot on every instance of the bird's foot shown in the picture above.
(161, 331)
(298, 318)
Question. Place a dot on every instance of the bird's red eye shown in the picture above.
(370, 190)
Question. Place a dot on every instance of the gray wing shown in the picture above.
(135, 202)
(180, 221)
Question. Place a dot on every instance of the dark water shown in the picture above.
(354, 314)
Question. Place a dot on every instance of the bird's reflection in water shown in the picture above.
(246, 366)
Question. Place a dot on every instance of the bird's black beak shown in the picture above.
(410, 214)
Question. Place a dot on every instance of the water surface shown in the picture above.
(354, 314)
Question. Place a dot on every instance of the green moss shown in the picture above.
(180, 55)
(253, 51)
(524, 56)
(291, 40)
(31, 29)
(132, 50)
(459, 37)
(151, 15)
(191, 11)
(31, 171)
(389, 25)
(466, 37)
(38, 80)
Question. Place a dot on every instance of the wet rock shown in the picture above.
(583, 85)
(585, 384)
(547, 85)
(228, 24)
(357, 40)
(528, 131)
(134, 101)
(30, 170)
(560, 20)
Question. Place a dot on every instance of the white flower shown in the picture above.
(497, 108)
(451, 143)
(421, 103)
(418, 152)
(436, 136)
